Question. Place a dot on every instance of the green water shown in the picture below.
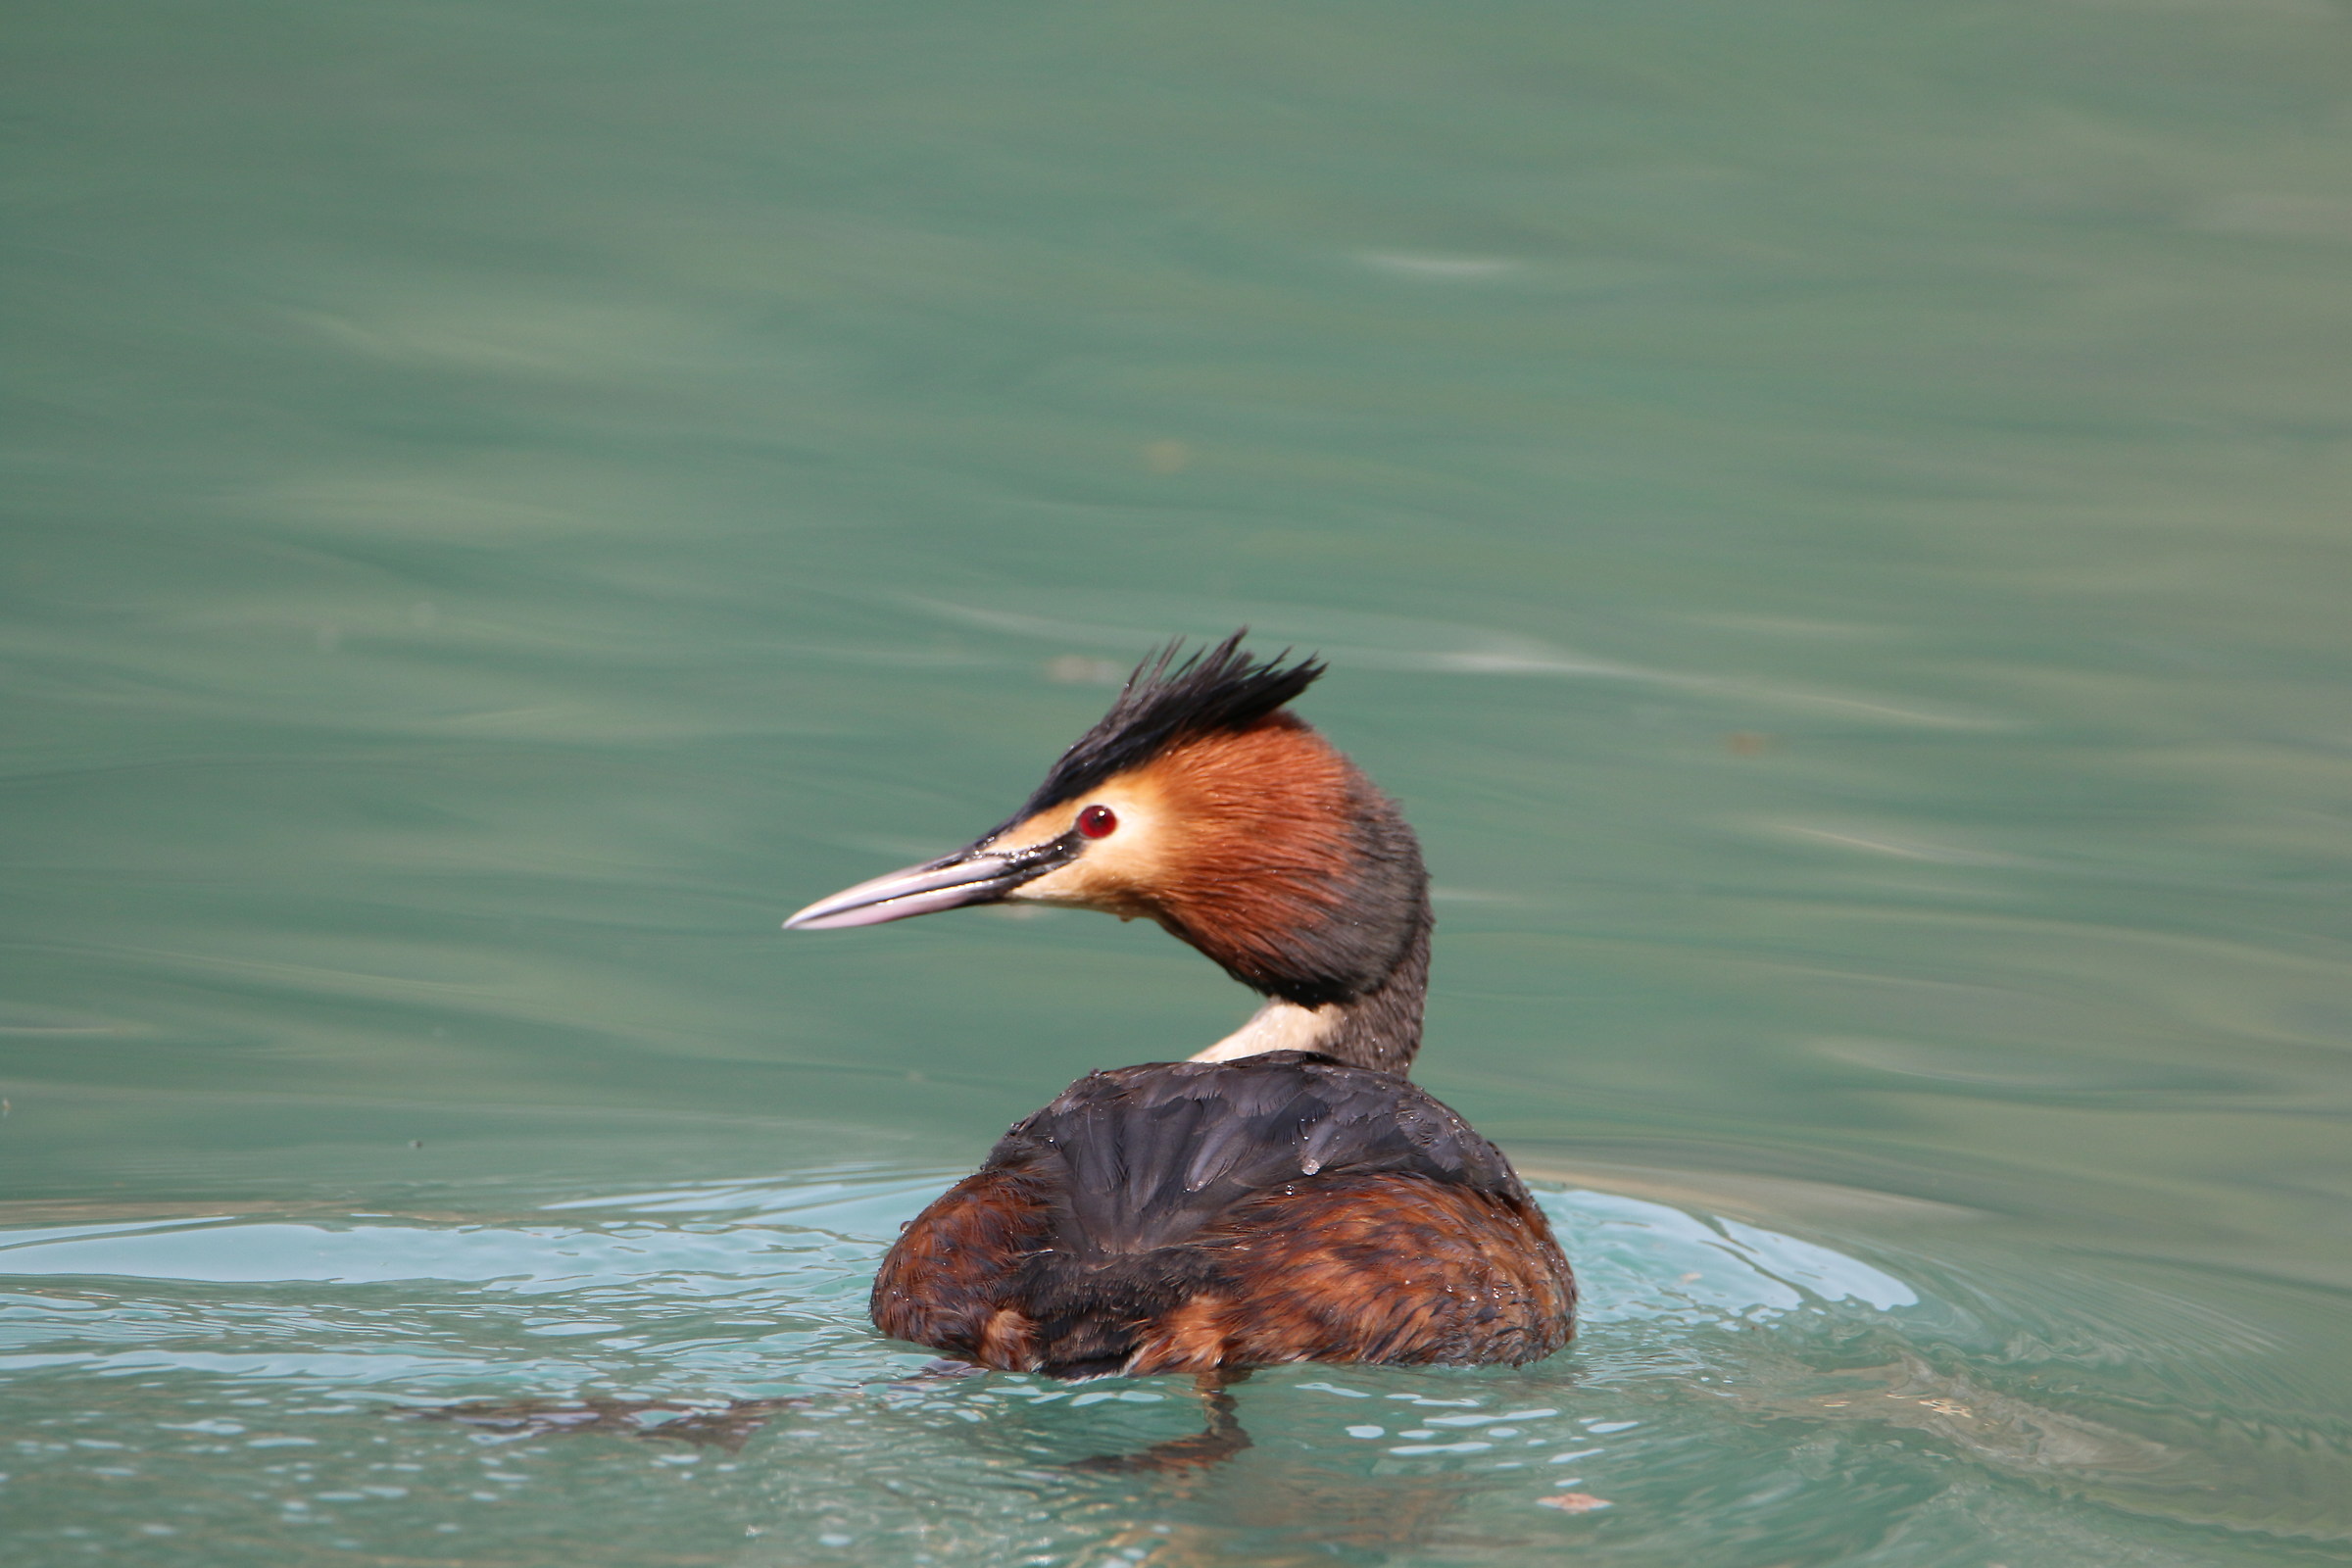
(1832, 518)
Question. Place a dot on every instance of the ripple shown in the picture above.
(729, 1316)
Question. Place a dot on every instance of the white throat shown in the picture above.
(1276, 1026)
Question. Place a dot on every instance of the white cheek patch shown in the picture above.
(1276, 1026)
(1110, 869)
(1069, 885)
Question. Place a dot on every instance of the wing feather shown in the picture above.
(1153, 1154)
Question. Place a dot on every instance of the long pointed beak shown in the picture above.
(973, 875)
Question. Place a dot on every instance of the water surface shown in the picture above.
(1830, 518)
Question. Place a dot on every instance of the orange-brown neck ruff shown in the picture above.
(1269, 846)
(1263, 847)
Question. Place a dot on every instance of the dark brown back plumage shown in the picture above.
(1186, 1216)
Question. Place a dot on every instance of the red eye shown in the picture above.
(1097, 822)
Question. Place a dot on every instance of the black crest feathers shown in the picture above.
(1216, 689)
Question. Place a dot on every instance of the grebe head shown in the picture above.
(1200, 802)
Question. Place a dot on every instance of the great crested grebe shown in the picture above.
(1283, 1196)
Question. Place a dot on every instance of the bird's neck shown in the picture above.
(1378, 1028)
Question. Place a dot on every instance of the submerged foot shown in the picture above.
(1201, 1450)
(725, 1426)
(940, 1370)
(1222, 1438)
(730, 1426)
